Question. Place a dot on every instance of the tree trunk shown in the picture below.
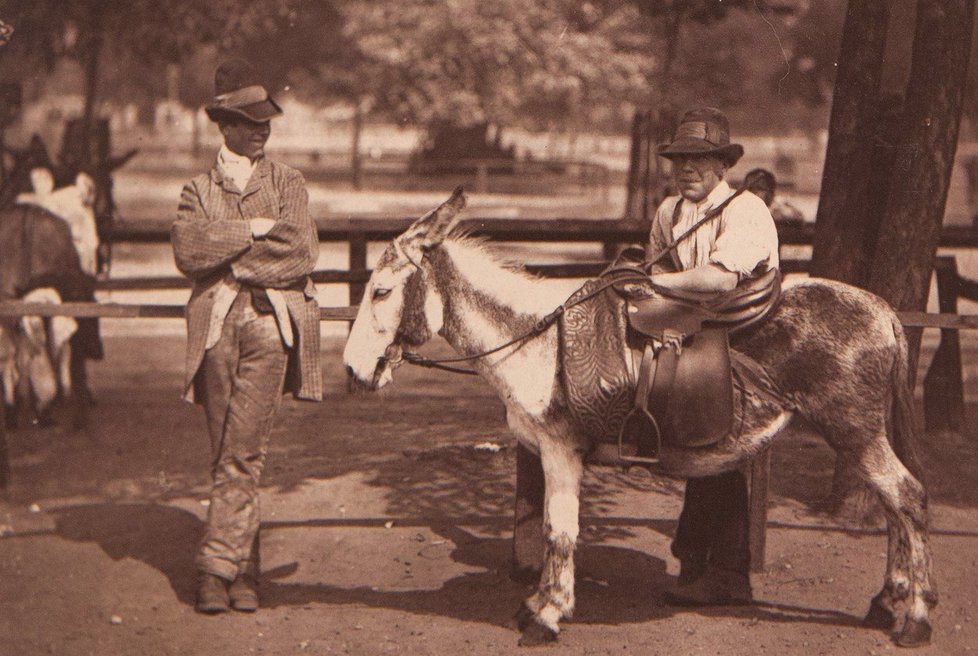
(887, 174)
(842, 219)
(356, 162)
(903, 259)
(645, 179)
(636, 204)
(90, 64)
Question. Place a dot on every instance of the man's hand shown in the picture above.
(260, 226)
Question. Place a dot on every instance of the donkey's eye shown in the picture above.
(381, 292)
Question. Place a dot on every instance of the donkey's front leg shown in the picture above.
(554, 599)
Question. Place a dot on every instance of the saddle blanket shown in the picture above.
(600, 386)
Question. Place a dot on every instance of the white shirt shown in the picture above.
(743, 239)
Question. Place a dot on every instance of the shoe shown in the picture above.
(243, 594)
(691, 569)
(212, 595)
(715, 587)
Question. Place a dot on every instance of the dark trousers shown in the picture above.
(713, 525)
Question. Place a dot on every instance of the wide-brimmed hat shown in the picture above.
(703, 131)
(237, 92)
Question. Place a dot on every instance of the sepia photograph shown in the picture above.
(435, 327)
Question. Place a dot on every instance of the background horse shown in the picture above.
(37, 252)
(838, 355)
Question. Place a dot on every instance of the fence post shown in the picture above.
(943, 387)
(4, 455)
(528, 543)
(358, 263)
(482, 178)
(760, 470)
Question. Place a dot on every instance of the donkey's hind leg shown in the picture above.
(553, 600)
(908, 575)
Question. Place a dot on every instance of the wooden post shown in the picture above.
(528, 542)
(482, 178)
(358, 262)
(943, 387)
(4, 455)
(760, 470)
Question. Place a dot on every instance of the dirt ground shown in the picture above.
(387, 529)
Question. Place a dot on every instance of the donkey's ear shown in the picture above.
(432, 228)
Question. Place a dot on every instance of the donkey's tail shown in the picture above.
(903, 423)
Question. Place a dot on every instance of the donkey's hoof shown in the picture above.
(535, 634)
(915, 633)
(879, 616)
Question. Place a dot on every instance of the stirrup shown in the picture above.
(640, 424)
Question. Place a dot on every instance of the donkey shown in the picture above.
(838, 355)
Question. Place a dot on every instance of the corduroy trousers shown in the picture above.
(240, 381)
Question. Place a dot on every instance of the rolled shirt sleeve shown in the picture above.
(746, 238)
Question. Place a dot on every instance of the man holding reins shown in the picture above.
(739, 244)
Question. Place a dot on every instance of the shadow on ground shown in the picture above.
(615, 584)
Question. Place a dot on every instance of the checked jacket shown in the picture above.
(212, 239)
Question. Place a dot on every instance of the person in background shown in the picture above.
(741, 243)
(243, 235)
(763, 184)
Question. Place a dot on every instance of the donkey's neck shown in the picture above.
(486, 303)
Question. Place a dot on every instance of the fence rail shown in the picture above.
(943, 387)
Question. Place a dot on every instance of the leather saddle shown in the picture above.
(680, 341)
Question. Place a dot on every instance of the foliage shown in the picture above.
(474, 62)
(556, 64)
(134, 40)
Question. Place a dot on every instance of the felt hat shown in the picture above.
(703, 131)
(237, 92)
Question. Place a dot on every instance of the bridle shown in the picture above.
(394, 354)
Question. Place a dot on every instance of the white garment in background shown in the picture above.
(74, 205)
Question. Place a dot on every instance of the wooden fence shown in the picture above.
(943, 386)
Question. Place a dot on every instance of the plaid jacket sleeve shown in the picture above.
(203, 244)
(288, 252)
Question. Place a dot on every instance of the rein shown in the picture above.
(539, 327)
(636, 275)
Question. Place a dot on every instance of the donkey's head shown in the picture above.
(399, 306)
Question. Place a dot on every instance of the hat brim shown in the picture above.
(259, 112)
(730, 153)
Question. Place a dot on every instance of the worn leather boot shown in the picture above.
(691, 568)
(212, 594)
(243, 594)
(716, 587)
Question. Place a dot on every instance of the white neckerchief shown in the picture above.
(237, 168)
(695, 249)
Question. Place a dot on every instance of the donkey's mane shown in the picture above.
(463, 238)
(479, 260)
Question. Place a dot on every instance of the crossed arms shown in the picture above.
(271, 252)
